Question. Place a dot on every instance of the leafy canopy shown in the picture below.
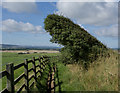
(78, 43)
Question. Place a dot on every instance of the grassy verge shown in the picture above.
(101, 76)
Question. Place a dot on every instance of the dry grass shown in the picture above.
(101, 76)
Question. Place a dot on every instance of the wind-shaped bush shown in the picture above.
(78, 44)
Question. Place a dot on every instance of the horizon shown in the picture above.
(32, 45)
(47, 46)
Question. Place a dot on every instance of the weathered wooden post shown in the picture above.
(42, 67)
(43, 61)
(34, 69)
(26, 76)
(10, 77)
(39, 60)
(40, 64)
(54, 75)
(50, 79)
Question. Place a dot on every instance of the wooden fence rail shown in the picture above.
(9, 73)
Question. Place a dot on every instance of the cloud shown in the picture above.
(92, 13)
(20, 7)
(111, 31)
(11, 25)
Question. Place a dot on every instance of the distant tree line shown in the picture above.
(29, 49)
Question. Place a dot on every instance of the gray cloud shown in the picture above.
(101, 15)
(97, 14)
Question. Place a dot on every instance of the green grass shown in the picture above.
(17, 59)
(41, 84)
(102, 75)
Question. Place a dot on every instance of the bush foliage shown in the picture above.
(79, 45)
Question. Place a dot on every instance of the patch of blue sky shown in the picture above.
(37, 19)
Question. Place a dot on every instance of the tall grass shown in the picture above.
(102, 75)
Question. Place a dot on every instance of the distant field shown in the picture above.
(32, 51)
(13, 56)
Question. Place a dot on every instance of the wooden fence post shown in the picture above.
(10, 77)
(50, 78)
(34, 68)
(26, 76)
(43, 61)
(54, 75)
(40, 64)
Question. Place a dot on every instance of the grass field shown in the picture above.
(101, 76)
(16, 58)
(11, 57)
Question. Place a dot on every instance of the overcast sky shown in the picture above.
(22, 22)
